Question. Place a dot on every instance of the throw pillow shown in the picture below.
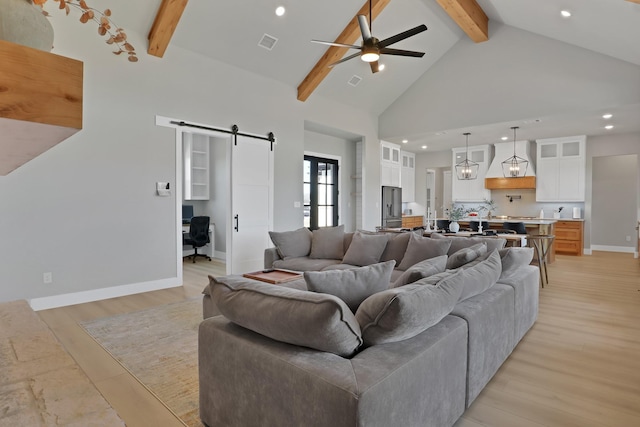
(365, 249)
(423, 269)
(292, 244)
(401, 313)
(319, 321)
(458, 243)
(465, 255)
(421, 248)
(482, 276)
(328, 243)
(351, 286)
(514, 258)
(396, 247)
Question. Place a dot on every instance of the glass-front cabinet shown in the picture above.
(561, 164)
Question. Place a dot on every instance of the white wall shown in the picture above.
(219, 194)
(346, 150)
(86, 210)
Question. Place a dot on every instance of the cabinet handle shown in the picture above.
(237, 223)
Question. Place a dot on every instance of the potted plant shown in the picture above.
(454, 214)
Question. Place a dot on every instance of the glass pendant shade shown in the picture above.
(514, 166)
(466, 169)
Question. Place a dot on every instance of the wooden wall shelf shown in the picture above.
(40, 102)
(524, 183)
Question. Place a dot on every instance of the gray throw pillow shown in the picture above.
(352, 286)
(396, 247)
(465, 255)
(291, 244)
(423, 269)
(319, 321)
(401, 313)
(365, 249)
(458, 243)
(482, 276)
(514, 258)
(328, 243)
(421, 248)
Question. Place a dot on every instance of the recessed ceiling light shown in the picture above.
(280, 10)
(504, 138)
(565, 14)
(441, 133)
(380, 67)
(424, 147)
(607, 127)
(607, 116)
(404, 141)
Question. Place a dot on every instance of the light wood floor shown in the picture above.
(578, 366)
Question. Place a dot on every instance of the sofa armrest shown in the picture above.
(270, 255)
(525, 281)
(248, 379)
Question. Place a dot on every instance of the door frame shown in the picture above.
(340, 192)
(178, 179)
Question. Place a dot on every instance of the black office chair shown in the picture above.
(198, 236)
(518, 227)
(475, 225)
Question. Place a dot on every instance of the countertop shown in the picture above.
(537, 221)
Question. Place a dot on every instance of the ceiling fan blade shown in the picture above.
(400, 52)
(350, 46)
(346, 58)
(374, 66)
(364, 27)
(401, 36)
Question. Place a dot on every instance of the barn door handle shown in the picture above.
(237, 223)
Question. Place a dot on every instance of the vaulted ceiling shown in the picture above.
(230, 32)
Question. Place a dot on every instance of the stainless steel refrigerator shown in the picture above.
(391, 207)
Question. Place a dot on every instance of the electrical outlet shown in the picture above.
(47, 277)
(628, 238)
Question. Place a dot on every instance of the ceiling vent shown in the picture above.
(355, 80)
(267, 41)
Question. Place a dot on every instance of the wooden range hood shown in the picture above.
(523, 183)
(40, 102)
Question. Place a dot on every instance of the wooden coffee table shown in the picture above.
(273, 276)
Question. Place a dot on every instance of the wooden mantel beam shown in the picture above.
(164, 25)
(469, 16)
(349, 35)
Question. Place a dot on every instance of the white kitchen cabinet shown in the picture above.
(196, 166)
(471, 190)
(561, 164)
(390, 170)
(408, 176)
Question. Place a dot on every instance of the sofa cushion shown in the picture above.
(365, 249)
(319, 321)
(425, 268)
(396, 247)
(421, 248)
(304, 263)
(458, 243)
(482, 276)
(401, 313)
(465, 255)
(328, 243)
(351, 286)
(294, 243)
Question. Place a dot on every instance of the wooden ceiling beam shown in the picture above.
(469, 16)
(349, 35)
(164, 25)
(634, 1)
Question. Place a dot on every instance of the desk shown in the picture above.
(209, 249)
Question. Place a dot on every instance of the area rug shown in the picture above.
(159, 346)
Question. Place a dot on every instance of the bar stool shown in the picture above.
(541, 244)
(518, 227)
(475, 225)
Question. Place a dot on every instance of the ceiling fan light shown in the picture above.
(370, 56)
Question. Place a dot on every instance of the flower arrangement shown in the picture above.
(455, 213)
(106, 27)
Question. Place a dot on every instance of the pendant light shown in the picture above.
(514, 166)
(466, 170)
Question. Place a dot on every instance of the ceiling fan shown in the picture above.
(372, 48)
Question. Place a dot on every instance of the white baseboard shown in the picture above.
(220, 255)
(63, 300)
(605, 248)
(587, 251)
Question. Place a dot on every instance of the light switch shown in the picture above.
(163, 189)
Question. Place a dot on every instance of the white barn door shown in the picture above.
(251, 207)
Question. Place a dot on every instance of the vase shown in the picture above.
(23, 22)
(454, 227)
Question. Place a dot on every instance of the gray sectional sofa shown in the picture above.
(415, 352)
